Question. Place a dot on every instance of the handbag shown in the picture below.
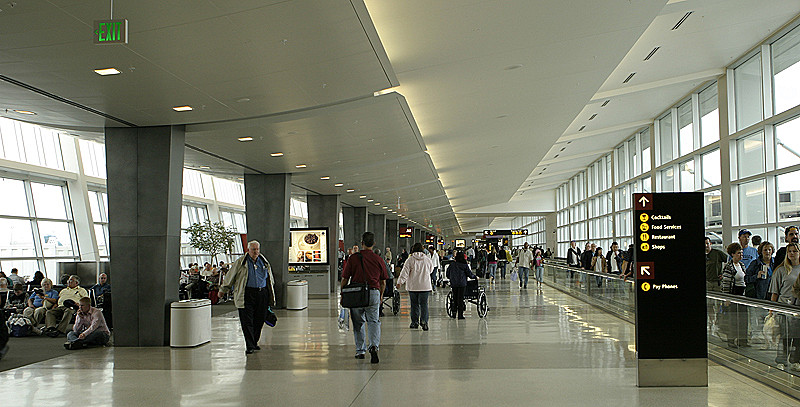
(271, 319)
(356, 295)
(513, 275)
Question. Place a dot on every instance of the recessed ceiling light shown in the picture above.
(351, 190)
(512, 67)
(370, 200)
(385, 207)
(242, 100)
(205, 167)
(28, 112)
(377, 204)
(107, 71)
(301, 166)
(182, 108)
(324, 178)
(363, 196)
(245, 139)
(338, 184)
(278, 154)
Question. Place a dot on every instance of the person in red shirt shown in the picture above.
(367, 267)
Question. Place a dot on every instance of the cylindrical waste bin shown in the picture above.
(190, 323)
(297, 294)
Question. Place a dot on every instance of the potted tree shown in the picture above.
(212, 238)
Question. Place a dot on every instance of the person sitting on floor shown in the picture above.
(40, 301)
(90, 327)
(57, 319)
(16, 301)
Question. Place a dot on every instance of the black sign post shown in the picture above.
(671, 343)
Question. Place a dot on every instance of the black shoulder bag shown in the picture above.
(356, 295)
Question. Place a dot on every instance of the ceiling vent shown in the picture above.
(682, 20)
(582, 127)
(593, 116)
(628, 79)
(605, 103)
(650, 55)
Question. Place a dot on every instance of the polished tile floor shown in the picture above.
(534, 348)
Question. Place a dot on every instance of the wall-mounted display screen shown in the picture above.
(405, 233)
(308, 246)
(461, 243)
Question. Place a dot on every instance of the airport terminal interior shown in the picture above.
(141, 140)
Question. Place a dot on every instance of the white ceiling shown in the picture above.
(463, 140)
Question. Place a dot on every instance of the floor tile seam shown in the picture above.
(751, 383)
(363, 387)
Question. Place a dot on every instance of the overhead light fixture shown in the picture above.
(28, 112)
(582, 127)
(205, 167)
(363, 196)
(605, 103)
(593, 116)
(512, 67)
(301, 166)
(370, 200)
(682, 20)
(245, 139)
(653, 52)
(182, 108)
(351, 190)
(628, 79)
(385, 207)
(384, 91)
(325, 178)
(377, 204)
(107, 71)
(277, 154)
(338, 184)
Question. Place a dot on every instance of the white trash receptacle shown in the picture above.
(297, 294)
(190, 323)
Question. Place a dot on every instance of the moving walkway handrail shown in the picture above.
(738, 299)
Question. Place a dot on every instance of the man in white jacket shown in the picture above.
(416, 276)
(435, 261)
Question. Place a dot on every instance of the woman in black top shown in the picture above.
(458, 272)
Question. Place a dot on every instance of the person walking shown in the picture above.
(538, 264)
(436, 264)
(733, 283)
(783, 279)
(367, 267)
(491, 266)
(524, 263)
(458, 272)
(250, 278)
(415, 275)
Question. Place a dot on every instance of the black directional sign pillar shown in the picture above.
(671, 348)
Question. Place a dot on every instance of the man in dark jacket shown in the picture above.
(792, 235)
(586, 257)
(458, 272)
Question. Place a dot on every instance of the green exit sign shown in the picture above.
(110, 31)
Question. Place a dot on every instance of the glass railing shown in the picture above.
(758, 338)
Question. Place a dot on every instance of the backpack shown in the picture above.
(20, 326)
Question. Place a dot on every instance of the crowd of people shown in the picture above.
(756, 271)
(197, 282)
(35, 307)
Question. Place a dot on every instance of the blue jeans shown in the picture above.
(539, 272)
(491, 269)
(501, 265)
(369, 315)
(434, 277)
(419, 306)
(523, 275)
(96, 338)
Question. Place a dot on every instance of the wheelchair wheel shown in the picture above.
(451, 305)
(396, 302)
(483, 308)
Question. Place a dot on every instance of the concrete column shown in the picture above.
(377, 225)
(323, 211)
(355, 224)
(145, 177)
(551, 239)
(391, 238)
(267, 199)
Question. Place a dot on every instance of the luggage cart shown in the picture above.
(391, 294)
(474, 294)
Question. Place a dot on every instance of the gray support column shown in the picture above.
(145, 178)
(267, 199)
(391, 238)
(377, 225)
(323, 211)
(725, 147)
(355, 224)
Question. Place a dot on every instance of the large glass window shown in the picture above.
(752, 202)
(786, 71)
(750, 155)
(93, 157)
(709, 115)
(789, 196)
(31, 144)
(14, 202)
(48, 201)
(747, 88)
(713, 208)
(687, 176)
(645, 142)
(665, 138)
(787, 143)
(712, 172)
(685, 131)
(667, 179)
